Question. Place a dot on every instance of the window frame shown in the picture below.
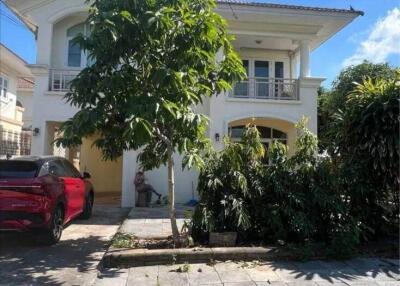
(84, 60)
(4, 79)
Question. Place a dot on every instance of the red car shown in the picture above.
(42, 194)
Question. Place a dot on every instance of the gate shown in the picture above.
(14, 143)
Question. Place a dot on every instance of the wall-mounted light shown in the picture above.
(217, 137)
(36, 131)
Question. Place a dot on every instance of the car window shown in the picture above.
(71, 170)
(17, 169)
(56, 168)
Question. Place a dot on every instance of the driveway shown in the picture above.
(73, 261)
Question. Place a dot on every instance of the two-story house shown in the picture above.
(16, 89)
(274, 41)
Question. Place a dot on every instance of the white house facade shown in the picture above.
(13, 76)
(274, 42)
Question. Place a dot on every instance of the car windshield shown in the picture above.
(17, 169)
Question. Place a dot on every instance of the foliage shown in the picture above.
(368, 142)
(123, 240)
(153, 62)
(333, 101)
(302, 200)
(224, 187)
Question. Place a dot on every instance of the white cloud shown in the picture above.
(382, 41)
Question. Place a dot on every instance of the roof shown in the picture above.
(14, 61)
(282, 6)
(25, 83)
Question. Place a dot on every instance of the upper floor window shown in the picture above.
(76, 57)
(3, 87)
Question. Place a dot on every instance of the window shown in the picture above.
(71, 171)
(3, 87)
(75, 55)
(265, 79)
(17, 169)
(261, 74)
(54, 168)
(241, 89)
(267, 136)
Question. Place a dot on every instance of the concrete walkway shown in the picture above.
(368, 272)
(152, 222)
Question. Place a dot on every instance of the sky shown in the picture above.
(374, 36)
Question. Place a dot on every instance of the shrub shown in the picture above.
(224, 186)
(298, 200)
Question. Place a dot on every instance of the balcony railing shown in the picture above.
(266, 88)
(60, 80)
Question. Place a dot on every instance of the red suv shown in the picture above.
(42, 194)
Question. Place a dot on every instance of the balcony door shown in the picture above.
(265, 79)
(261, 78)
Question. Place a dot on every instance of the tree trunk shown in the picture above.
(171, 196)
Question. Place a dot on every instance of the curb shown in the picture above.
(124, 258)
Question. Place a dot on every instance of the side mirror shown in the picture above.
(86, 175)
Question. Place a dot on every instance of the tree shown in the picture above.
(153, 63)
(330, 102)
(368, 139)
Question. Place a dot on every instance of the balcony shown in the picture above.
(266, 88)
(60, 80)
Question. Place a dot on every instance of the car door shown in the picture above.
(57, 168)
(80, 190)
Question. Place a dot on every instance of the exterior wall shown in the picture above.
(10, 114)
(106, 175)
(185, 180)
(26, 99)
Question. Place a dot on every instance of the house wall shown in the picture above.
(106, 175)
(10, 114)
(26, 99)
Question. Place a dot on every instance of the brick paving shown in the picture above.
(152, 222)
(361, 271)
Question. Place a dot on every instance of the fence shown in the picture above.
(15, 143)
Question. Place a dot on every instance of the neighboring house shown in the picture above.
(14, 80)
(274, 41)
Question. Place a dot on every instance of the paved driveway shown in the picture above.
(73, 261)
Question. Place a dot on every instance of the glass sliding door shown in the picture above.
(279, 82)
(261, 76)
(241, 89)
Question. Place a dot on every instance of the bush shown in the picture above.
(300, 200)
(225, 189)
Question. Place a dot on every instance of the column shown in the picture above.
(129, 169)
(44, 44)
(304, 58)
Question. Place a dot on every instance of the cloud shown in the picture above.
(383, 41)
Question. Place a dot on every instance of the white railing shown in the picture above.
(60, 80)
(266, 88)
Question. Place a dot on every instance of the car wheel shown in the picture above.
(53, 234)
(87, 211)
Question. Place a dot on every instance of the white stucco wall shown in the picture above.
(26, 99)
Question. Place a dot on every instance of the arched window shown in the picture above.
(75, 55)
(267, 136)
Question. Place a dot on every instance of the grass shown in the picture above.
(123, 240)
